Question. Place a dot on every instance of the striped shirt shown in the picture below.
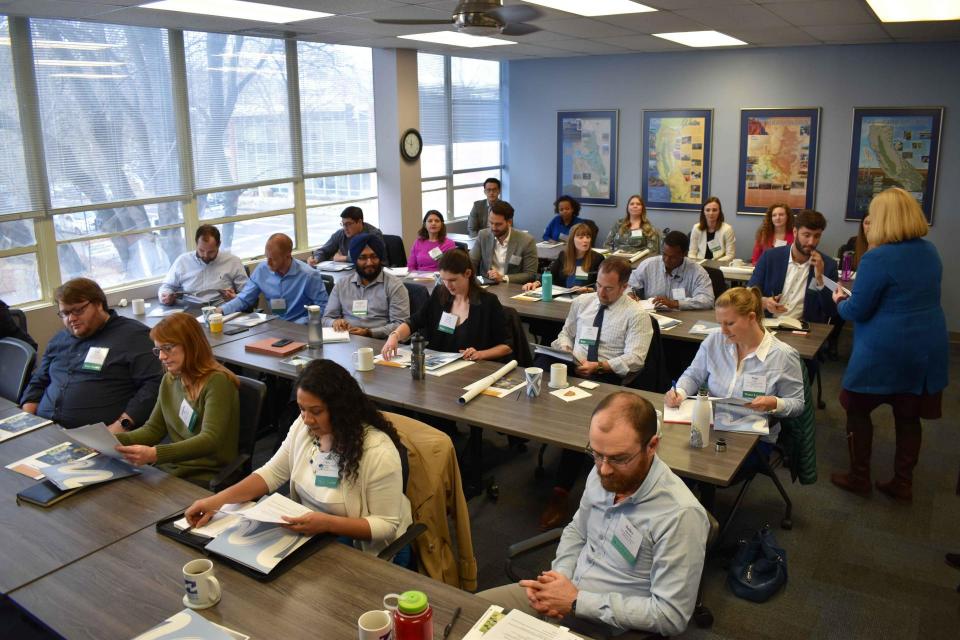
(623, 339)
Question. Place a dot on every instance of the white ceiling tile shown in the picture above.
(541, 36)
(720, 18)
(641, 42)
(924, 31)
(582, 28)
(825, 12)
(172, 20)
(409, 12)
(777, 36)
(588, 46)
(57, 9)
(656, 22)
(850, 33)
(676, 5)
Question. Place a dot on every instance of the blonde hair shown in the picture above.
(743, 301)
(895, 216)
(570, 251)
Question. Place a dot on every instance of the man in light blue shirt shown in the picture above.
(674, 281)
(288, 284)
(631, 558)
(205, 270)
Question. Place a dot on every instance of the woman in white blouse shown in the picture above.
(341, 457)
(711, 237)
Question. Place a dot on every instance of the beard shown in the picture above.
(370, 273)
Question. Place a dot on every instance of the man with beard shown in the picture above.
(791, 277)
(631, 558)
(502, 253)
(206, 270)
(371, 302)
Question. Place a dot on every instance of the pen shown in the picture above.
(674, 387)
(449, 627)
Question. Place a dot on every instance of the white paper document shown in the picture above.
(330, 335)
(96, 437)
(740, 420)
(220, 522)
(518, 625)
(682, 414)
(570, 394)
(833, 286)
(273, 508)
(665, 322)
(704, 328)
(566, 356)
(400, 272)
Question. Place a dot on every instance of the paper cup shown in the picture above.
(138, 306)
(558, 376)
(534, 377)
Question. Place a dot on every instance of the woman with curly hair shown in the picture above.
(341, 458)
(776, 230)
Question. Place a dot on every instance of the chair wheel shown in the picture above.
(786, 524)
(493, 491)
(703, 617)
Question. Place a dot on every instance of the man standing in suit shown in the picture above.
(502, 253)
(791, 278)
(481, 208)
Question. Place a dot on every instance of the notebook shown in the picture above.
(264, 347)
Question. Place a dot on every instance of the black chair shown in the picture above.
(717, 281)
(518, 338)
(252, 396)
(396, 254)
(418, 294)
(16, 365)
(20, 318)
(653, 376)
(328, 281)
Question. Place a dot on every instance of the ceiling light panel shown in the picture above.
(238, 9)
(594, 7)
(915, 10)
(701, 39)
(456, 39)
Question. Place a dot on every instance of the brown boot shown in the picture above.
(859, 443)
(909, 437)
(557, 511)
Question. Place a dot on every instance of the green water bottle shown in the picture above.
(547, 286)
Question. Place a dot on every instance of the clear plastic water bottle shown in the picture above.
(314, 327)
(418, 359)
(700, 424)
(547, 286)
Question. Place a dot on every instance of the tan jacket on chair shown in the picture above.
(435, 491)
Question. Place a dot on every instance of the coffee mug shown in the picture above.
(375, 625)
(558, 376)
(215, 322)
(138, 306)
(533, 376)
(207, 312)
(203, 589)
(363, 359)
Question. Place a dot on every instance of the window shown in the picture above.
(461, 124)
(259, 212)
(337, 124)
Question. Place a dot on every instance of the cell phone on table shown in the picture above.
(282, 342)
(232, 331)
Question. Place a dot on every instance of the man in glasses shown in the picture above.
(337, 247)
(631, 558)
(99, 368)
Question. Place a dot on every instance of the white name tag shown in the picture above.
(435, 253)
(714, 246)
(96, 356)
(187, 415)
(515, 260)
(679, 293)
(779, 243)
(359, 307)
(448, 322)
(563, 237)
(754, 385)
(580, 274)
(588, 335)
(626, 540)
(278, 305)
(636, 233)
(326, 473)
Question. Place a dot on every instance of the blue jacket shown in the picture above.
(900, 334)
(556, 228)
(771, 273)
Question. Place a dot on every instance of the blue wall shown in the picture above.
(833, 78)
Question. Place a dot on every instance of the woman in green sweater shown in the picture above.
(197, 410)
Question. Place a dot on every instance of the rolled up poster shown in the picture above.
(481, 385)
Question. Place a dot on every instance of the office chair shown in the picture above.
(717, 281)
(396, 253)
(418, 294)
(252, 396)
(16, 364)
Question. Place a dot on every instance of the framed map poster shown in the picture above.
(894, 147)
(676, 158)
(587, 156)
(778, 158)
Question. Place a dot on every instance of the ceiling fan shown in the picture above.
(484, 17)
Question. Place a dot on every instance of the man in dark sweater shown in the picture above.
(99, 368)
(337, 248)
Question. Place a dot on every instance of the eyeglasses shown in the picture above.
(614, 461)
(165, 348)
(76, 312)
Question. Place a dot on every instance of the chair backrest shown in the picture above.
(16, 365)
(20, 318)
(518, 338)
(396, 253)
(653, 377)
(798, 436)
(419, 296)
(717, 280)
(328, 281)
(252, 396)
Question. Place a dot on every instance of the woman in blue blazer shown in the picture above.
(900, 341)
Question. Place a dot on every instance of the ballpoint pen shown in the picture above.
(453, 620)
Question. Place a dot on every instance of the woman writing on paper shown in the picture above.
(342, 460)
(744, 361)
(634, 233)
(776, 230)
(431, 243)
(577, 265)
(900, 348)
(568, 215)
(197, 409)
(712, 238)
(460, 316)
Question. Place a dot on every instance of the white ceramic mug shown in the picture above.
(202, 588)
(363, 359)
(558, 376)
(138, 306)
(375, 625)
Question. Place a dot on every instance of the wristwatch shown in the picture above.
(126, 423)
(573, 607)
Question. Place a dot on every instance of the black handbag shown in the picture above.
(759, 568)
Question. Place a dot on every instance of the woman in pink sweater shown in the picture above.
(432, 242)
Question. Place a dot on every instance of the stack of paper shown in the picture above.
(190, 624)
(20, 423)
(400, 272)
(330, 335)
(705, 328)
(258, 545)
(222, 520)
(96, 437)
(566, 356)
(665, 322)
(434, 359)
(631, 256)
(332, 265)
(682, 414)
(32, 466)
(248, 320)
(83, 473)
(516, 625)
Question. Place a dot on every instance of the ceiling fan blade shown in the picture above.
(518, 29)
(514, 13)
(412, 22)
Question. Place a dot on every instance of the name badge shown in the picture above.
(515, 260)
(715, 246)
(448, 322)
(626, 540)
(589, 335)
(563, 237)
(679, 293)
(359, 307)
(636, 233)
(580, 274)
(278, 305)
(326, 472)
(96, 356)
(435, 253)
(188, 416)
(754, 385)
(779, 243)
